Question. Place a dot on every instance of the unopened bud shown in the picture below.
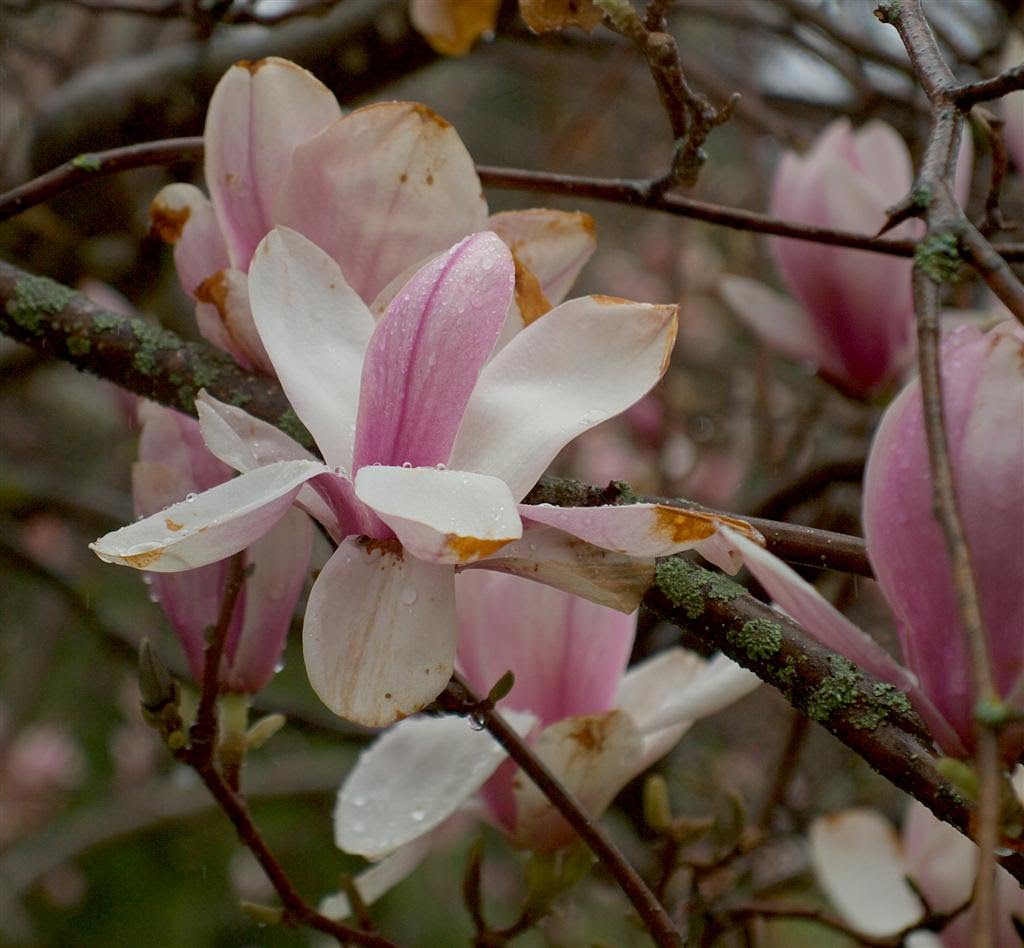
(657, 808)
(263, 730)
(156, 685)
(263, 914)
(501, 688)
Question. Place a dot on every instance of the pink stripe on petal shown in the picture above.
(427, 351)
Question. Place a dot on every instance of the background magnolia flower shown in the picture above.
(428, 449)
(1012, 106)
(983, 386)
(174, 464)
(853, 313)
(380, 189)
(594, 724)
(864, 868)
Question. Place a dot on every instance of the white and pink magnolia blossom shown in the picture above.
(595, 725)
(852, 313)
(1012, 105)
(174, 464)
(428, 449)
(381, 189)
(983, 392)
(864, 868)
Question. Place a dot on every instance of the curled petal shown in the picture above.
(859, 862)
(183, 216)
(584, 362)
(441, 516)
(412, 779)
(213, 526)
(453, 26)
(224, 298)
(316, 330)
(379, 635)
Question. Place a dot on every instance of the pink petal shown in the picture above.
(386, 186)
(411, 779)
(316, 331)
(593, 757)
(215, 525)
(182, 215)
(441, 516)
(822, 620)
(379, 635)
(554, 245)
(173, 441)
(939, 858)
(280, 564)
(639, 529)
(859, 863)
(885, 165)
(557, 559)
(427, 352)
(584, 362)
(224, 299)
(567, 654)
(258, 114)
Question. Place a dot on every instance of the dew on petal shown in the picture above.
(190, 497)
(408, 596)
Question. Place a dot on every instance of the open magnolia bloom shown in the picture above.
(852, 316)
(428, 448)
(381, 189)
(983, 398)
(594, 724)
(864, 867)
(174, 464)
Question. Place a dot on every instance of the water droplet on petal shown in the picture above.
(359, 800)
(279, 667)
(418, 815)
(441, 466)
(407, 464)
(477, 722)
(190, 497)
(408, 595)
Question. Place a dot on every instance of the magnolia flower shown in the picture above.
(864, 868)
(428, 449)
(595, 725)
(983, 390)
(1012, 105)
(853, 312)
(175, 464)
(381, 190)
(452, 26)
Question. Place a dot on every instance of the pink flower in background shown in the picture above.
(593, 723)
(1012, 106)
(852, 317)
(175, 464)
(983, 384)
(864, 868)
(381, 190)
(428, 448)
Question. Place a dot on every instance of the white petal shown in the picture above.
(315, 329)
(412, 779)
(859, 863)
(557, 559)
(215, 525)
(380, 629)
(440, 515)
(584, 362)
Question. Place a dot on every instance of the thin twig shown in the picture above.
(461, 699)
(984, 90)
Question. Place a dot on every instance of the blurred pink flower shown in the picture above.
(1012, 106)
(864, 868)
(380, 190)
(429, 447)
(983, 383)
(593, 723)
(853, 314)
(175, 465)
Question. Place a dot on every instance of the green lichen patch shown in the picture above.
(151, 341)
(889, 700)
(939, 257)
(34, 299)
(107, 321)
(87, 162)
(787, 675)
(837, 692)
(688, 587)
(79, 345)
(625, 492)
(759, 638)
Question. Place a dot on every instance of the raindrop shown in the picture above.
(340, 471)
(477, 722)
(359, 800)
(418, 815)
(592, 417)
(488, 264)
(441, 466)
(408, 596)
(407, 464)
(279, 667)
(190, 497)
(147, 547)
(140, 517)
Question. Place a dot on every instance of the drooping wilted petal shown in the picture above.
(567, 654)
(427, 351)
(441, 516)
(453, 26)
(316, 330)
(259, 112)
(379, 635)
(213, 526)
(384, 187)
(412, 779)
(584, 362)
(554, 245)
(859, 862)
